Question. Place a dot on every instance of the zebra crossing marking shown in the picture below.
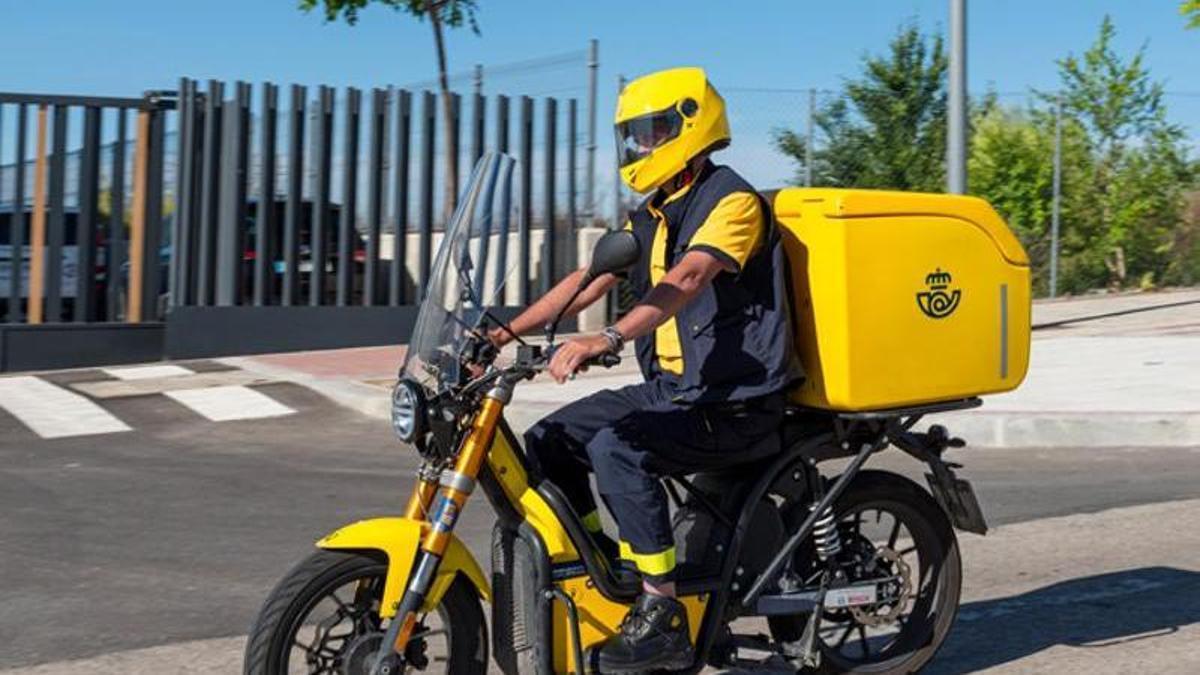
(228, 403)
(53, 412)
(147, 372)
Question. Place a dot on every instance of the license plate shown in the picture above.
(851, 596)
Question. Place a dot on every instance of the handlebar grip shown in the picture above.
(605, 361)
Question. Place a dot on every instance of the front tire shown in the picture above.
(293, 634)
(862, 642)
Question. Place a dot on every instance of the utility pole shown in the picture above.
(1054, 214)
(618, 201)
(589, 195)
(808, 138)
(477, 79)
(956, 132)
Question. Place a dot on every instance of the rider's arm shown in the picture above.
(726, 240)
(729, 236)
(544, 310)
(680, 284)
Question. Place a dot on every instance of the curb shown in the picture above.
(980, 428)
(1065, 430)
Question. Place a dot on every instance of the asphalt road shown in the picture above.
(176, 530)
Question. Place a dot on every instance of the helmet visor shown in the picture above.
(639, 136)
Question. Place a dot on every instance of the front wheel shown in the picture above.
(889, 527)
(323, 619)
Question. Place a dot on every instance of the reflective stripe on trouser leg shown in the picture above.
(658, 565)
(591, 522)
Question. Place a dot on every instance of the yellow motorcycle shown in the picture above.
(780, 564)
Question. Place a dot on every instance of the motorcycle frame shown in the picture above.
(491, 456)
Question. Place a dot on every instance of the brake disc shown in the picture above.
(360, 655)
(870, 615)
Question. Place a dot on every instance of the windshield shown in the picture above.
(467, 276)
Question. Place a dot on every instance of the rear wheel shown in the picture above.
(323, 619)
(889, 527)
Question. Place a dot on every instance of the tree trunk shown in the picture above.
(450, 195)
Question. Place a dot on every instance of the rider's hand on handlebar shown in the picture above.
(573, 354)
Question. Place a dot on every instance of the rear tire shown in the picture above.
(270, 648)
(935, 600)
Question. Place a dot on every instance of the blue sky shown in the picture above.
(122, 48)
(114, 48)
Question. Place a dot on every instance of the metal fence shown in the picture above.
(335, 198)
(231, 195)
(76, 238)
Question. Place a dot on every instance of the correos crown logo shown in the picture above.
(938, 302)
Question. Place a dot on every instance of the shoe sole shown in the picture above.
(683, 661)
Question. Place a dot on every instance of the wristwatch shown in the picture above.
(616, 341)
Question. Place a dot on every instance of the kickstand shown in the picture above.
(803, 653)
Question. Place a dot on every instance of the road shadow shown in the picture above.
(1089, 612)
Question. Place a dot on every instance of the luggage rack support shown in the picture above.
(889, 425)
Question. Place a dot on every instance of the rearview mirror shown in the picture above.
(615, 252)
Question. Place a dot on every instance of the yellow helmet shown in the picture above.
(665, 119)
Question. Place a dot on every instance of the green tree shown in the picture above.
(1140, 170)
(1010, 165)
(441, 14)
(1190, 9)
(888, 128)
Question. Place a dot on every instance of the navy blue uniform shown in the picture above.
(715, 373)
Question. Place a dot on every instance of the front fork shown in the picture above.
(457, 485)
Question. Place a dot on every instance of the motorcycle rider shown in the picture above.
(712, 341)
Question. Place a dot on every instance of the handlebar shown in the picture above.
(604, 361)
(607, 360)
(533, 359)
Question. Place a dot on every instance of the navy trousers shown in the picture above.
(632, 436)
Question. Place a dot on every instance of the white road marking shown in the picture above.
(147, 372)
(53, 412)
(222, 404)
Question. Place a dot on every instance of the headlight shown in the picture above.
(408, 411)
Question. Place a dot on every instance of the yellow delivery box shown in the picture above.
(903, 298)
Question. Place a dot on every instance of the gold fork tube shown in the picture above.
(466, 467)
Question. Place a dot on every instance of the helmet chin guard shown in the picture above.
(663, 121)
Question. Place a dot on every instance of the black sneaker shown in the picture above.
(654, 635)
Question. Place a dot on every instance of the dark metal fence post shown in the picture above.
(183, 247)
(152, 272)
(264, 221)
(85, 232)
(478, 126)
(210, 192)
(116, 223)
(505, 201)
(428, 129)
(572, 219)
(231, 227)
(323, 155)
(17, 223)
(179, 238)
(455, 149)
(347, 233)
(374, 195)
(398, 272)
(295, 196)
(550, 241)
(55, 225)
(526, 201)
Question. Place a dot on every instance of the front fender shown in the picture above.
(399, 539)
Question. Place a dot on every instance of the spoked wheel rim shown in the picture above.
(887, 539)
(339, 632)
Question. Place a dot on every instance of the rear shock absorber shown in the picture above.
(825, 535)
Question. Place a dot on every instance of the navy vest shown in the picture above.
(735, 335)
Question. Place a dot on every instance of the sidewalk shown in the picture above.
(1105, 371)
